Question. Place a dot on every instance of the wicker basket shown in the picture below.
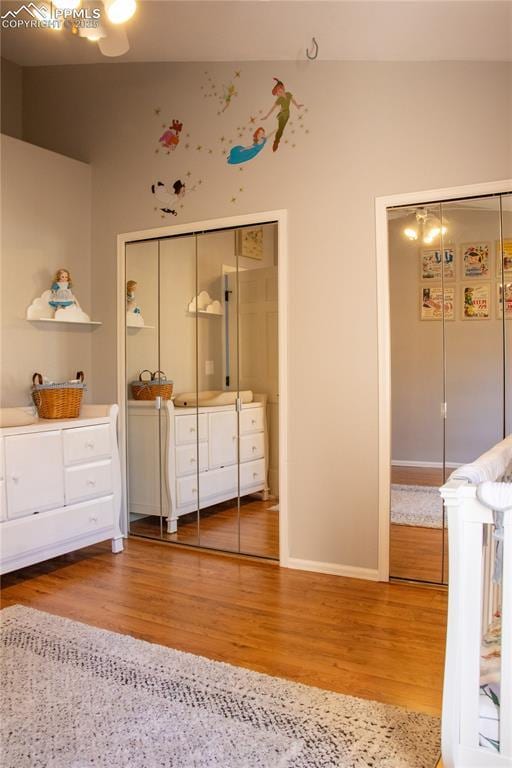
(156, 386)
(58, 401)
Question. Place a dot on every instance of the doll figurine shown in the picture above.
(61, 295)
(131, 302)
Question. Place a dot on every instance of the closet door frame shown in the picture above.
(384, 334)
(265, 217)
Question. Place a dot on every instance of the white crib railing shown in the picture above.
(473, 601)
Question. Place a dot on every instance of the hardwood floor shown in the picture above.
(417, 476)
(418, 553)
(376, 641)
(218, 529)
(415, 553)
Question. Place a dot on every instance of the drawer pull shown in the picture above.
(192, 429)
(253, 421)
(91, 482)
(93, 519)
(255, 475)
(89, 444)
(255, 448)
(193, 460)
(194, 490)
(15, 478)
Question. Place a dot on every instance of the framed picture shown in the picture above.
(431, 298)
(249, 242)
(430, 263)
(475, 260)
(508, 300)
(476, 301)
(507, 258)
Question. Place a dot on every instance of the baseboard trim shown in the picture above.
(430, 464)
(334, 569)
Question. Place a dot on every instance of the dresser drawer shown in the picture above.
(251, 420)
(186, 490)
(187, 428)
(252, 446)
(252, 473)
(219, 483)
(87, 444)
(88, 481)
(2, 471)
(37, 532)
(186, 459)
(33, 473)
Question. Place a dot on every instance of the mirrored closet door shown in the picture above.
(202, 389)
(450, 267)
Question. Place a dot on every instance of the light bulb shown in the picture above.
(444, 230)
(434, 232)
(64, 5)
(428, 239)
(119, 11)
(92, 33)
(411, 234)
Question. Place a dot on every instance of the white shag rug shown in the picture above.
(418, 505)
(76, 696)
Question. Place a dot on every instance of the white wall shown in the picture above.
(374, 129)
(46, 217)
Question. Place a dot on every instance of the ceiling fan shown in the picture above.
(108, 32)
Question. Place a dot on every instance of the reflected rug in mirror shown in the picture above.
(76, 696)
(419, 505)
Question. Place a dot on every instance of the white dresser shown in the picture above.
(167, 446)
(60, 487)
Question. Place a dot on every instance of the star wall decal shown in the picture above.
(157, 110)
(237, 73)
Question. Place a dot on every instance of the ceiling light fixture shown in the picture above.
(119, 11)
(108, 33)
(93, 34)
(427, 227)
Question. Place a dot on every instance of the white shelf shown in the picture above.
(140, 327)
(62, 322)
